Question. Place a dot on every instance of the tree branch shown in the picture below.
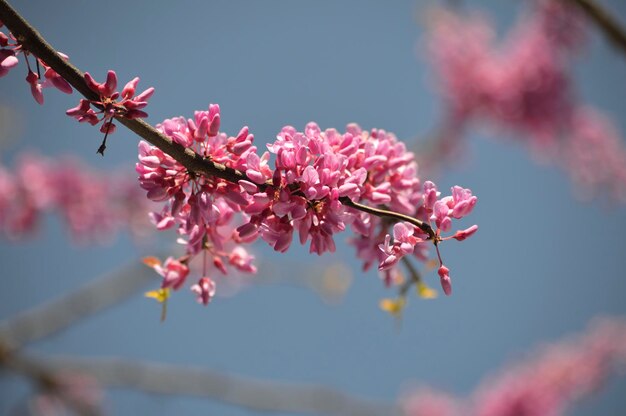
(47, 380)
(611, 27)
(37, 45)
(256, 394)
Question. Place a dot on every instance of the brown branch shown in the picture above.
(256, 394)
(37, 45)
(611, 27)
(383, 213)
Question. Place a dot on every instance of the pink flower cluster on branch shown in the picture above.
(545, 385)
(10, 49)
(108, 106)
(524, 86)
(220, 194)
(93, 205)
(317, 178)
(202, 209)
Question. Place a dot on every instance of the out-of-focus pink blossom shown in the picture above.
(556, 377)
(523, 85)
(93, 205)
(428, 402)
(595, 156)
(546, 384)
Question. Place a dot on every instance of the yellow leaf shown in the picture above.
(425, 292)
(393, 306)
(160, 295)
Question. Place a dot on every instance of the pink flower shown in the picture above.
(441, 215)
(130, 106)
(35, 86)
(57, 81)
(83, 113)
(314, 173)
(444, 276)
(242, 260)
(10, 48)
(404, 243)
(204, 290)
(257, 167)
(458, 205)
(207, 211)
(8, 60)
(174, 273)
(463, 234)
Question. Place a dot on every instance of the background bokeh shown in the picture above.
(541, 266)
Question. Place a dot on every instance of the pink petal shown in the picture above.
(129, 88)
(108, 88)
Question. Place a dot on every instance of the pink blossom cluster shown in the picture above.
(110, 104)
(433, 210)
(524, 85)
(545, 385)
(92, 204)
(129, 106)
(315, 173)
(203, 210)
(10, 49)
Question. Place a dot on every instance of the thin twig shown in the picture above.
(605, 20)
(383, 213)
(256, 394)
(32, 41)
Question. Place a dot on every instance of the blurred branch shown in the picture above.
(259, 395)
(114, 287)
(48, 381)
(611, 27)
(56, 315)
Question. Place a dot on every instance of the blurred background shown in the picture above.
(542, 265)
